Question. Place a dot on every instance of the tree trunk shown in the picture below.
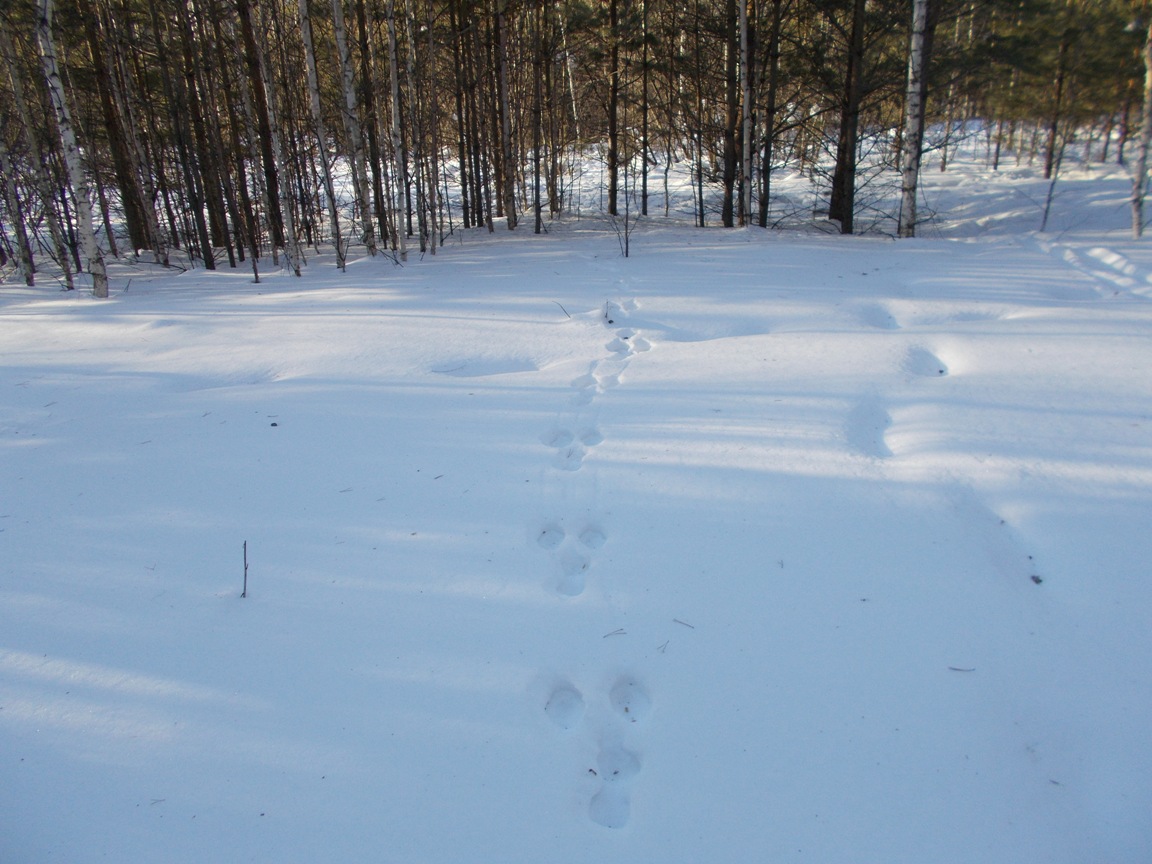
(397, 144)
(25, 269)
(509, 173)
(291, 238)
(770, 112)
(207, 156)
(44, 181)
(174, 93)
(435, 218)
(537, 115)
(613, 106)
(914, 104)
(1054, 121)
(94, 259)
(123, 163)
(320, 131)
(371, 120)
(259, 83)
(644, 148)
(732, 113)
(353, 127)
(462, 151)
(746, 138)
(843, 201)
(415, 101)
(1140, 173)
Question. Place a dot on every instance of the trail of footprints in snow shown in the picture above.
(572, 445)
(605, 373)
(868, 422)
(866, 430)
(617, 763)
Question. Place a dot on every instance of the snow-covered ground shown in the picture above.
(753, 546)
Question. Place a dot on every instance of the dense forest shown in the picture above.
(235, 132)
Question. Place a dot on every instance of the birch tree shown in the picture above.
(1140, 174)
(93, 257)
(41, 166)
(912, 144)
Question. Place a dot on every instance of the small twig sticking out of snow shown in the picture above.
(562, 309)
(685, 623)
(244, 593)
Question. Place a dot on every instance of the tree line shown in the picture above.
(238, 131)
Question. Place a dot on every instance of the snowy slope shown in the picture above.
(750, 547)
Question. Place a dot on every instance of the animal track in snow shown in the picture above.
(995, 533)
(571, 449)
(879, 317)
(592, 537)
(865, 428)
(558, 438)
(610, 806)
(628, 342)
(921, 361)
(630, 700)
(573, 570)
(550, 537)
(603, 375)
(565, 706)
(571, 554)
(617, 763)
(616, 311)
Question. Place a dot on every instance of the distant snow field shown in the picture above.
(752, 546)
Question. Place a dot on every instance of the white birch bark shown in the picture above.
(45, 184)
(320, 131)
(1140, 176)
(93, 257)
(912, 145)
(352, 127)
